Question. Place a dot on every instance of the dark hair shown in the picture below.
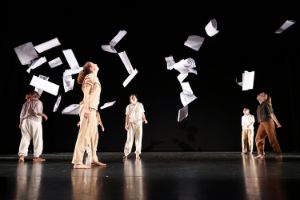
(132, 96)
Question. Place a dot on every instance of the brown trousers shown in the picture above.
(87, 139)
(266, 128)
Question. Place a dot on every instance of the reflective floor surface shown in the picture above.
(157, 175)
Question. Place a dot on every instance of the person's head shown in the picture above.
(133, 99)
(246, 111)
(88, 67)
(33, 95)
(261, 97)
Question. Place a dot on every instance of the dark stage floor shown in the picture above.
(158, 175)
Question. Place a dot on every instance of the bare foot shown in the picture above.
(38, 159)
(98, 163)
(81, 166)
(137, 156)
(260, 157)
(124, 157)
(21, 159)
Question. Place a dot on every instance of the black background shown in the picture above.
(246, 41)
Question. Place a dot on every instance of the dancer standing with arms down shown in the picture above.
(266, 128)
(87, 139)
(135, 117)
(247, 131)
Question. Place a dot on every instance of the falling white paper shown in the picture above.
(39, 91)
(187, 95)
(36, 63)
(111, 46)
(211, 28)
(108, 48)
(117, 38)
(130, 77)
(55, 62)
(47, 45)
(194, 42)
(285, 26)
(170, 62)
(71, 59)
(248, 80)
(26, 53)
(72, 109)
(185, 66)
(181, 77)
(68, 83)
(57, 103)
(126, 62)
(182, 113)
(108, 104)
(44, 85)
(70, 72)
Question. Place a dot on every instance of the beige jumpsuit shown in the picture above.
(135, 130)
(87, 138)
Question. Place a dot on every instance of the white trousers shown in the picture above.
(31, 129)
(135, 132)
(247, 139)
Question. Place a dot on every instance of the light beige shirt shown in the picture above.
(248, 121)
(30, 109)
(135, 112)
(92, 82)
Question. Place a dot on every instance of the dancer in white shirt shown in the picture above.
(247, 131)
(135, 117)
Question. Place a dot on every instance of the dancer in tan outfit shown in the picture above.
(135, 117)
(267, 121)
(87, 139)
(247, 131)
(31, 127)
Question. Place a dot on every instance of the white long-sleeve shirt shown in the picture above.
(248, 121)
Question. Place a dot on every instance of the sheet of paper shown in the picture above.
(194, 42)
(70, 72)
(56, 105)
(285, 26)
(185, 66)
(117, 38)
(44, 85)
(170, 62)
(39, 90)
(71, 59)
(187, 98)
(72, 109)
(55, 62)
(108, 104)
(211, 28)
(36, 63)
(182, 113)
(126, 62)
(248, 80)
(47, 45)
(181, 77)
(26, 53)
(68, 83)
(130, 77)
(187, 95)
(108, 48)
